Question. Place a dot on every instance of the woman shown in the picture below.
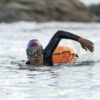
(37, 56)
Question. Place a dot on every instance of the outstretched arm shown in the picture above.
(55, 41)
(86, 44)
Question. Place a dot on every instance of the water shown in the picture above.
(76, 81)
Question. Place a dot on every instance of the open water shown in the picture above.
(75, 81)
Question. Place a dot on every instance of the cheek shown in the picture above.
(30, 58)
(40, 58)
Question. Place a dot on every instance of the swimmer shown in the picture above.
(39, 57)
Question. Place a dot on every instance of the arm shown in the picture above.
(56, 39)
(86, 44)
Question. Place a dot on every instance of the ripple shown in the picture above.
(74, 81)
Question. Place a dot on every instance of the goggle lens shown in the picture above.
(33, 52)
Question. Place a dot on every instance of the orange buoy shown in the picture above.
(63, 54)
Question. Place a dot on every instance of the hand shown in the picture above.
(86, 44)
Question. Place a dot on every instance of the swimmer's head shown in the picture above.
(34, 52)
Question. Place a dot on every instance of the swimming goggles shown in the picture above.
(33, 52)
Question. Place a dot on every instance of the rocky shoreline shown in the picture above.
(95, 9)
(46, 10)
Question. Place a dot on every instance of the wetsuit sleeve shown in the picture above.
(55, 41)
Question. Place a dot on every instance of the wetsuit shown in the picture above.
(48, 51)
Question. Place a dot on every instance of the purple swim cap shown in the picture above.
(33, 43)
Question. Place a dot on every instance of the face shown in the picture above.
(35, 56)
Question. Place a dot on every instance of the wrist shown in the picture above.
(80, 39)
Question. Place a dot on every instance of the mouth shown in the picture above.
(36, 61)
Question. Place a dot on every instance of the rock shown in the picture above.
(6, 16)
(95, 9)
(44, 10)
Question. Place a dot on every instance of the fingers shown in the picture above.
(87, 45)
(91, 49)
(90, 46)
(84, 48)
(90, 42)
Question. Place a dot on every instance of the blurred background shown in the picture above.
(46, 10)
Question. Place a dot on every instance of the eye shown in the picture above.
(29, 52)
(40, 52)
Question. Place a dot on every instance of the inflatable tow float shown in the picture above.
(64, 54)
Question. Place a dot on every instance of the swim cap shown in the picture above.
(33, 43)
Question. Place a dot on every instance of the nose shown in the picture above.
(35, 55)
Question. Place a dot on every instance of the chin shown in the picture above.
(37, 64)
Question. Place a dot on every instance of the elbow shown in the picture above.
(62, 32)
(59, 32)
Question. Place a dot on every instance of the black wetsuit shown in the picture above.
(48, 51)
